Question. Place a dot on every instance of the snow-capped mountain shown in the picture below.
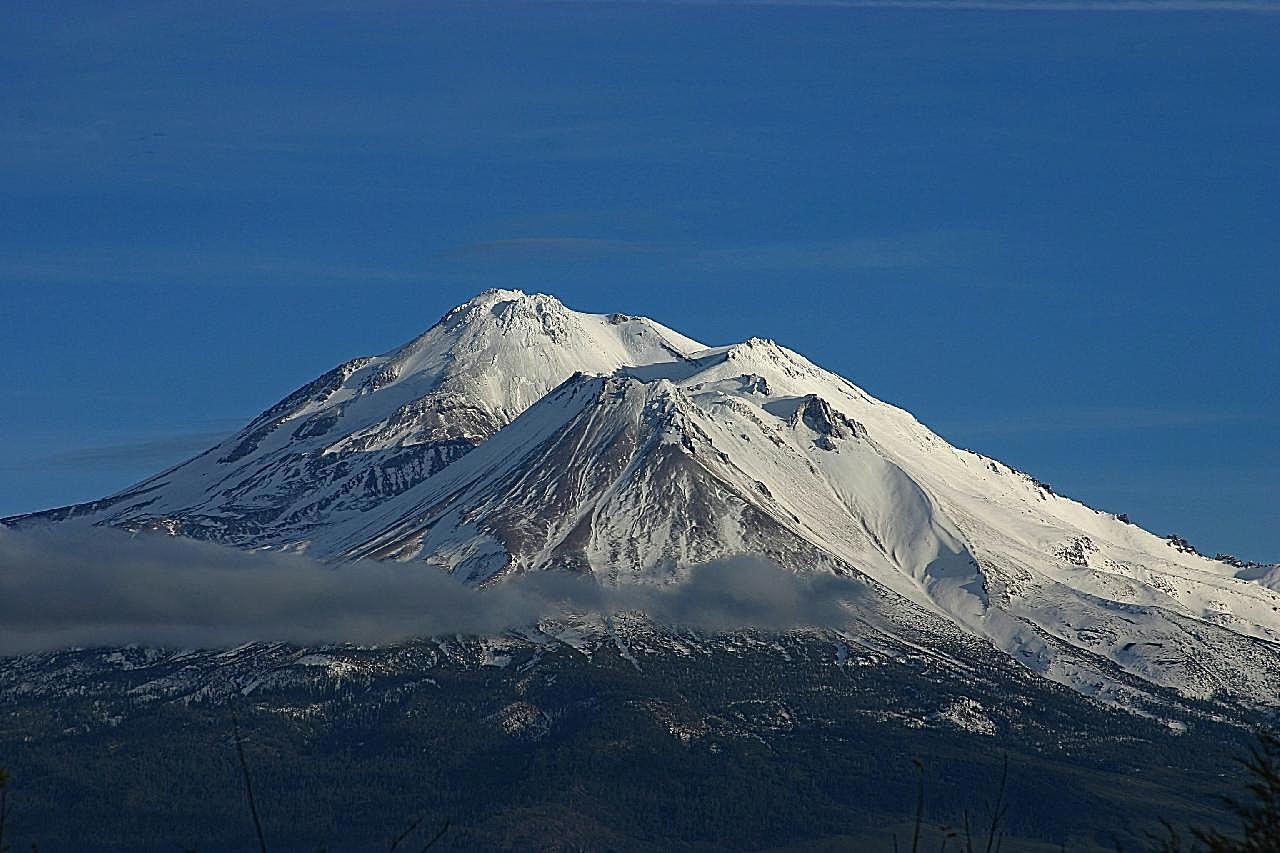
(375, 426)
(517, 435)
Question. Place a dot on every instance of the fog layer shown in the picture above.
(88, 586)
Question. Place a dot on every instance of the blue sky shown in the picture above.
(1052, 232)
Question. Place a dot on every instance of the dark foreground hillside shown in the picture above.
(671, 742)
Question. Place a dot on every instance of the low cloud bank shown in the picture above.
(86, 586)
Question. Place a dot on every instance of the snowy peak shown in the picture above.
(505, 349)
(517, 435)
(499, 353)
(375, 426)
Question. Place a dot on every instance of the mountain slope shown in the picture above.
(375, 426)
(517, 435)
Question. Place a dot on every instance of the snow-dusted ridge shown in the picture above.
(518, 435)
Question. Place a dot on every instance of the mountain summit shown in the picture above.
(516, 435)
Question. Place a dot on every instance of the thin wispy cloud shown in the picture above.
(1099, 419)
(1156, 6)
(89, 267)
(86, 266)
(943, 248)
(127, 455)
(543, 247)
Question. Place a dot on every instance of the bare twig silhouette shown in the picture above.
(995, 836)
(436, 837)
(915, 835)
(248, 783)
(395, 842)
(1259, 816)
(4, 804)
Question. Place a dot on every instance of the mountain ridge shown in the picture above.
(518, 435)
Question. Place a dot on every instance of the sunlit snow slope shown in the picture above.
(373, 427)
(517, 435)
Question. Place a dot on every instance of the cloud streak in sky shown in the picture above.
(1165, 6)
(1094, 419)
(81, 586)
(936, 249)
(939, 248)
(534, 247)
(131, 265)
(168, 450)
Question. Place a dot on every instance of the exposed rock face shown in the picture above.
(817, 414)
